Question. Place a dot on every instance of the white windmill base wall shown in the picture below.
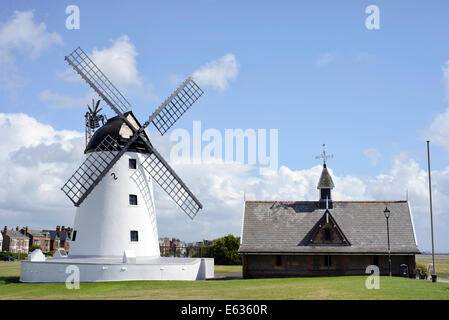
(113, 269)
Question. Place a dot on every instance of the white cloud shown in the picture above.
(118, 62)
(325, 59)
(438, 131)
(38, 160)
(22, 34)
(218, 73)
(373, 155)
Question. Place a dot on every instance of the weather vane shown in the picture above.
(324, 156)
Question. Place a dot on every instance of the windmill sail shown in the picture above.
(168, 180)
(88, 70)
(82, 182)
(175, 105)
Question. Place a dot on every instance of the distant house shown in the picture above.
(164, 246)
(325, 237)
(178, 247)
(14, 241)
(60, 238)
(39, 238)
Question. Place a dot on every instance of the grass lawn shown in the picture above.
(228, 269)
(292, 288)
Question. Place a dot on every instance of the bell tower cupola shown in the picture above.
(325, 184)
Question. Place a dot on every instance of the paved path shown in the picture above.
(227, 276)
(443, 280)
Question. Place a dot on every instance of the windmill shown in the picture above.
(120, 162)
(93, 119)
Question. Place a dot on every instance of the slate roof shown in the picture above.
(15, 234)
(325, 181)
(58, 235)
(38, 233)
(284, 227)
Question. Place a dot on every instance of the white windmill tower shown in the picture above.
(112, 189)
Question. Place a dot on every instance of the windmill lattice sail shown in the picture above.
(84, 178)
(176, 105)
(172, 184)
(89, 71)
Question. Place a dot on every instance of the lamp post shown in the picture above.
(387, 216)
(434, 276)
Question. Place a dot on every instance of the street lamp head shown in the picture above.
(387, 213)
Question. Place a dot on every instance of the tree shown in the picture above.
(225, 250)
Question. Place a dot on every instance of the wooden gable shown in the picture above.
(327, 232)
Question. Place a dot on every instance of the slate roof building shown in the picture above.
(60, 238)
(325, 237)
(14, 241)
(37, 238)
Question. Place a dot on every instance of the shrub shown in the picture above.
(4, 255)
(19, 256)
(421, 270)
(50, 253)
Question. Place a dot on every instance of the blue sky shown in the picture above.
(310, 69)
(380, 90)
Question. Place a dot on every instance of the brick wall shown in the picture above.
(260, 266)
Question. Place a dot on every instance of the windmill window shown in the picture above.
(133, 200)
(132, 164)
(134, 235)
(74, 235)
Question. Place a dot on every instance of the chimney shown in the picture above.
(58, 228)
(17, 228)
(26, 230)
(63, 228)
(5, 229)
